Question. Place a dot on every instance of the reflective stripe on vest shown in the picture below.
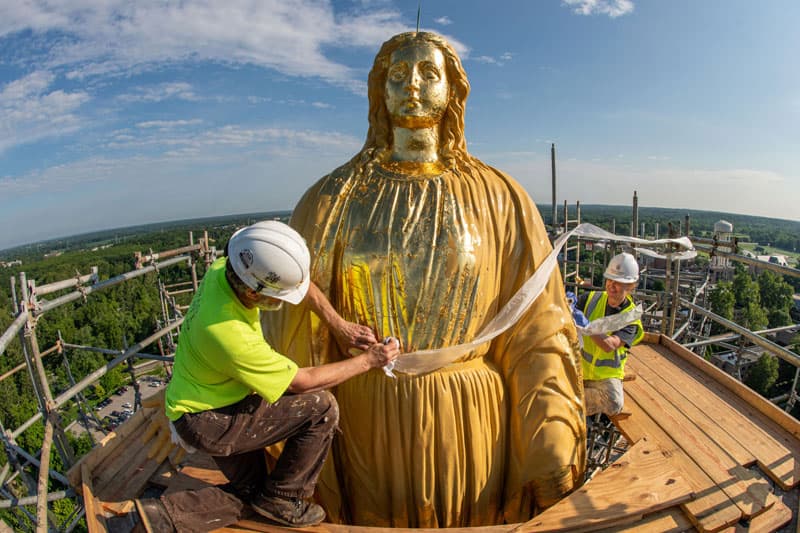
(598, 364)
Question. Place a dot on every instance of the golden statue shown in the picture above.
(423, 242)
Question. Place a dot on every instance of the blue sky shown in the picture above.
(114, 113)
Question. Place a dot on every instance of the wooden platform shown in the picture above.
(705, 454)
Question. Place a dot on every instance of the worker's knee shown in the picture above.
(328, 408)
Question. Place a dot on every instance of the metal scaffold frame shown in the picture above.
(28, 310)
(675, 311)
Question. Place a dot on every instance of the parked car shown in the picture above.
(126, 405)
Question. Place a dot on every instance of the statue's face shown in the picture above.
(417, 89)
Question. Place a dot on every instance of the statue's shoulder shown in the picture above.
(500, 181)
(328, 184)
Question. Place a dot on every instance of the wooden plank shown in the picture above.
(712, 509)
(95, 521)
(776, 517)
(111, 443)
(696, 404)
(750, 495)
(671, 520)
(118, 469)
(642, 481)
(779, 417)
(777, 450)
(137, 479)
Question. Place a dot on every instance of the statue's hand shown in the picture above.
(157, 434)
(353, 338)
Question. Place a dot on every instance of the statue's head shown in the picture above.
(445, 107)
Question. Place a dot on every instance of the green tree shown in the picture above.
(745, 289)
(763, 374)
(774, 292)
(722, 301)
(778, 318)
(753, 317)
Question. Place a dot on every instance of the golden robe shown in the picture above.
(430, 260)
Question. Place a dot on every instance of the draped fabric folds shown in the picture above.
(430, 259)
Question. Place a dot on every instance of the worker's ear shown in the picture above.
(250, 295)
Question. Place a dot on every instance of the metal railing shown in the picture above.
(29, 310)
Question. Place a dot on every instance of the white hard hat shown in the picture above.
(623, 268)
(272, 259)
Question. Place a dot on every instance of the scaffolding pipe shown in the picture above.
(780, 351)
(67, 283)
(675, 288)
(785, 270)
(553, 220)
(141, 259)
(106, 284)
(41, 501)
(108, 351)
(193, 263)
(12, 330)
(31, 500)
(67, 395)
(734, 336)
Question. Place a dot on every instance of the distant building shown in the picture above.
(8, 264)
(721, 267)
(727, 361)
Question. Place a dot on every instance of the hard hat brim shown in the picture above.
(292, 296)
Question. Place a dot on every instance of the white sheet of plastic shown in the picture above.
(680, 256)
(612, 322)
(424, 361)
(590, 231)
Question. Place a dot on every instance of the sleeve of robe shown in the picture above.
(539, 361)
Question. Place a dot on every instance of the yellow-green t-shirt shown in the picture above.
(222, 356)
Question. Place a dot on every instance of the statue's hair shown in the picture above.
(452, 144)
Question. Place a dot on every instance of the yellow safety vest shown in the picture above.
(598, 364)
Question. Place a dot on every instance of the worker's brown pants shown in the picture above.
(235, 436)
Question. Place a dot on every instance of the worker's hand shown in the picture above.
(353, 338)
(157, 434)
(607, 343)
(381, 354)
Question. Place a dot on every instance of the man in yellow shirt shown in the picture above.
(232, 394)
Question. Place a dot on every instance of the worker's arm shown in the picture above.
(347, 334)
(608, 343)
(314, 378)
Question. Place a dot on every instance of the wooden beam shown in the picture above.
(750, 495)
(711, 510)
(775, 445)
(95, 521)
(642, 481)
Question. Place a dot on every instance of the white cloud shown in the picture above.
(612, 8)
(443, 21)
(159, 93)
(490, 60)
(168, 124)
(158, 137)
(210, 144)
(118, 37)
(30, 110)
